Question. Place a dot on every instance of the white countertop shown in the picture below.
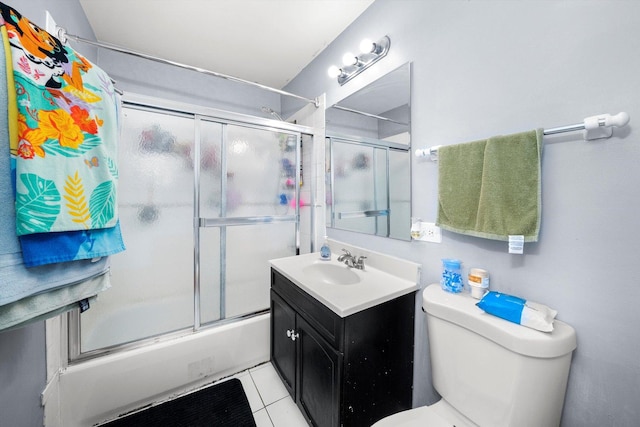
(375, 287)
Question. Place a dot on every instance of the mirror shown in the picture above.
(368, 158)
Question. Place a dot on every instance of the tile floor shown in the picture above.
(269, 400)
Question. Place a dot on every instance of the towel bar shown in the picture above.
(595, 127)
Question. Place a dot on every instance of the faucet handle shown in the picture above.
(360, 262)
(346, 252)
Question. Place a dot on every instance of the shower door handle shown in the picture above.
(291, 333)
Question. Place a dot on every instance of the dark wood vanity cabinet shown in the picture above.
(349, 371)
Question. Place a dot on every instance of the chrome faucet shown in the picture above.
(352, 261)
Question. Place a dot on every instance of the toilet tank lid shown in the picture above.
(461, 309)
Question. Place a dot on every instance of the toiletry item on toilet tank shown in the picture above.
(478, 282)
(517, 310)
(451, 280)
(325, 251)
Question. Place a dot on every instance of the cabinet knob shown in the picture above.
(291, 333)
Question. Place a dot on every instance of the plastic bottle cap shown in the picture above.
(451, 263)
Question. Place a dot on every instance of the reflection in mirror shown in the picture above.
(369, 158)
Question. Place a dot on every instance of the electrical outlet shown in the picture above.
(431, 232)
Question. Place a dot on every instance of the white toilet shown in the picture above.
(489, 372)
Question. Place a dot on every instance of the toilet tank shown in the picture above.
(495, 372)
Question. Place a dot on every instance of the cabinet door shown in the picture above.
(283, 348)
(320, 370)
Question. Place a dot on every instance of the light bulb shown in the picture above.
(349, 59)
(334, 71)
(367, 46)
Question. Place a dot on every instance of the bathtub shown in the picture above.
(100, 389)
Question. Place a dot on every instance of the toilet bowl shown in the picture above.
(488, 371)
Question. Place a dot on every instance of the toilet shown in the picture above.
(488, 371)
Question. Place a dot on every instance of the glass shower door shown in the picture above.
(152, 281)
(248, 214)
(204, 205)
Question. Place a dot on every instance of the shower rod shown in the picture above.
(64, 36)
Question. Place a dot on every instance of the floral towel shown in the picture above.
(66, 146)
(38, 249)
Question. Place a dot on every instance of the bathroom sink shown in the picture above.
(331, 273)
(346, 290)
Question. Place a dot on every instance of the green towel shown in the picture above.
(491, 188)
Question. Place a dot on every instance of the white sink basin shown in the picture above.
(331, 274)
(348, 290)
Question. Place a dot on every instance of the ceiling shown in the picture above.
(263, 41)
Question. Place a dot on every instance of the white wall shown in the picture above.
(482, 68)
(22, 375)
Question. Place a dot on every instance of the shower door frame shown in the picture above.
(199, 114)
(223, 221)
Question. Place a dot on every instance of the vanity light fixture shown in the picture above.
(370, 53)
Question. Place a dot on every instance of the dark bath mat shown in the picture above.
(220, 405)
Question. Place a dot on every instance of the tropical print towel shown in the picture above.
(67, 133)
(50, 247)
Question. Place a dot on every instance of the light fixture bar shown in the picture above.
(379, 50)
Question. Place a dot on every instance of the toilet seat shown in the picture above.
(440, 414)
